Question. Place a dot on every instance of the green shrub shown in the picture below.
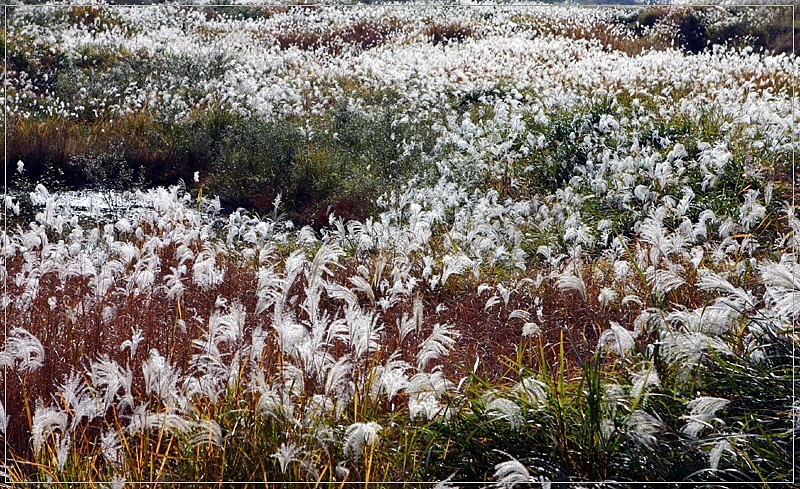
(254, 161)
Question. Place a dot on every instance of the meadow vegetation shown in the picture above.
(367, 245)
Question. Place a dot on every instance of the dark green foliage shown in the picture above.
(769, 27)
(254, 162)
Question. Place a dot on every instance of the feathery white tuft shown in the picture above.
(358, 435)
(437, 344)
(702, 413)
(511, 473)
(22, 346)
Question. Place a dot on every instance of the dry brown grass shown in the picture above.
(446, 32)
(361, 35)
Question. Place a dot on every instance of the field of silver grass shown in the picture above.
(592, 278)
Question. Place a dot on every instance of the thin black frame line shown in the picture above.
(426, 5)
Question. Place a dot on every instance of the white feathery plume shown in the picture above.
(520, 314)
(81, 403)
(511, 473)
(437, 344)
(3, 418)
(160, 378)
(285, 455)
(713, 281)
(648, 377)
(337, 377)
(270, 288)
(173, 282)
(702, 414)
(568, 281)
(618, 339)
(644, 427)
(493, 301)
(454, 265)
(111, 448)
(783, 286)
(133, 343)
(715, 318)
(168, 422)
(326, 256)
(291, 335)
(606, 296)
(531, 389)
(23, 346)
(80, 266)
(359, 434)
(228, 328)
(413, 322)
(424, 391)
(46, 421)
(363, 286)
(505, 293)
(204, 271)
(63, 445)
(529, 328)
(715, 455)
(663, 281)
(501, 408)
(363, 330)
(206, 432)
(751, 212)
(390, 378)
(686, 349)
(424, 403)
(336, 291)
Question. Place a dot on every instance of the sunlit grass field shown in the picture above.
(351, 245)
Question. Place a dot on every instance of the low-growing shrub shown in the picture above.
(443, 33)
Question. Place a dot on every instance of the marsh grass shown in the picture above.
(506, 289)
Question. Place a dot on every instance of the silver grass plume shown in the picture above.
(511, 473)
(713, 281)
(506, 409)
(107, 379)
(204, 271)
(133, 343)
(111, 448)
(532, 390)
(715, 455)
(702, 413)
(362, 330)
(529, 328)
(644, 428)
(205, 432)
(685, 350)
(437, 344)
(390, 378)
(424, 391)
(783, 286)
(568, 281)
(641, 381)
(285, 455)
(617, 339)
(161, 379)
(47, 421)
(358, 435)
(80, 400)
(3, 418)
(326, 256)
(22, 346)
(454, 265)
